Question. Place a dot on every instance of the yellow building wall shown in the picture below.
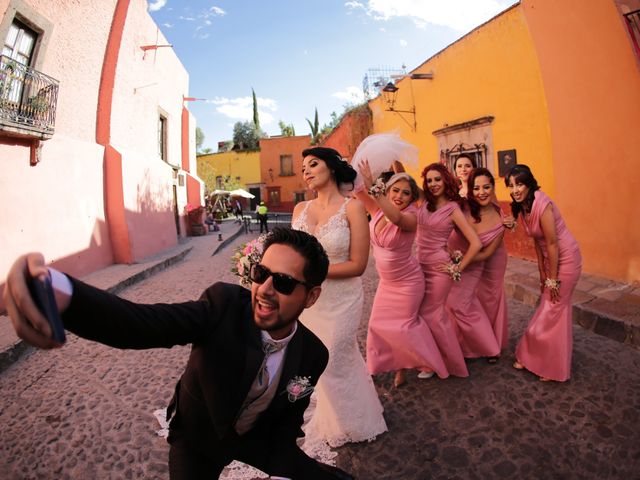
(563, 83)
(245, 165)
(492, 71)
(591, 76)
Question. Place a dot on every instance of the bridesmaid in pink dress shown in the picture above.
(436, 220)
(475, 330)
(396, 339)
(490, 290)
(546, 346)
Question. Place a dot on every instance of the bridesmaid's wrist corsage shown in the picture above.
(378, 188)
(454, 271)
(456, 256)
(552, 284)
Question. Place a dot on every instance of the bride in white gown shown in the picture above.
(347, 405)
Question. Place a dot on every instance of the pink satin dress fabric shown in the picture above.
(434, 229)
(475, 332)
(547, 344)
(491, 293)
(396, 338)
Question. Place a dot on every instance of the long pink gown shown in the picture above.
(546, 346)
(434, 229)
(474, 327)
(490, 290)
(396, 338)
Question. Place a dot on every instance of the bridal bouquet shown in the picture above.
(246, 255)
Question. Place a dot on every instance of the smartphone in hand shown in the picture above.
(42, 294)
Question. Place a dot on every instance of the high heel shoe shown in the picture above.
(518, 366)
(400, 379)
(425, 375)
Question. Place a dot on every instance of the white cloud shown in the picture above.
(203, 19)
(461, 15)
(241, 108)
(168, 25)
(353, 5)
(350, 94)
(403, 42)
(156, 5)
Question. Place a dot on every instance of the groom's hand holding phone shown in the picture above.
(32, 308)
(42, 293)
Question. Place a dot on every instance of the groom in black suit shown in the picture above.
(252, 364)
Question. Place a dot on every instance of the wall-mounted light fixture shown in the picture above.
(270, 173)
(390, 95)
(145, 48)
(192, 99)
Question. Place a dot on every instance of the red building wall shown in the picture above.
(354, 127)
(278, 184)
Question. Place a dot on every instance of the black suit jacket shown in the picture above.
(225, 358)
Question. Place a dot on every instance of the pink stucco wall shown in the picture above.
(57, 207)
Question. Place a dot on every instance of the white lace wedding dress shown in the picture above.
(347, 405)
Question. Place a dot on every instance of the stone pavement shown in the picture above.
(116, 278)
(85, 411)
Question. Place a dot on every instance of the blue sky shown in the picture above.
(301, 54)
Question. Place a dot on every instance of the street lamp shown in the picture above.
(390, 95)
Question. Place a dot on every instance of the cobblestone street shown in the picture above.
(85, 411)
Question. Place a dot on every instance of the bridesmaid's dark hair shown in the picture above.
(522, 174)
(450, 186)
(474, 206)
(342, 171)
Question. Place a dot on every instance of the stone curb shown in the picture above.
(585, 314)
(11, 354)
(229, 239)
(147, 272)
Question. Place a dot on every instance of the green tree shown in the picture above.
(246, 136)
(256, 119)
(199, 139)
(315, 128)
(286, 130)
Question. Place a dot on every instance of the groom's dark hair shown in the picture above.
(316, 260)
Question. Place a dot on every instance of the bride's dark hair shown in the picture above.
(341, 170)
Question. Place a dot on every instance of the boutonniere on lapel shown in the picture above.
(299, 387)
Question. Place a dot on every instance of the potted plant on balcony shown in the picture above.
(194, 214)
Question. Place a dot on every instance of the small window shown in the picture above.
(298, 197)
(162, 137)
(20, 43)
(274, 196)
(286, 165)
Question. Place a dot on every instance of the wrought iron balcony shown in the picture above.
(28, 99)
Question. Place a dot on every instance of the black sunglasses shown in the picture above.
(282, 283)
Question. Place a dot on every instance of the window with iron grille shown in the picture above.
(28, 97)
(633, 25)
